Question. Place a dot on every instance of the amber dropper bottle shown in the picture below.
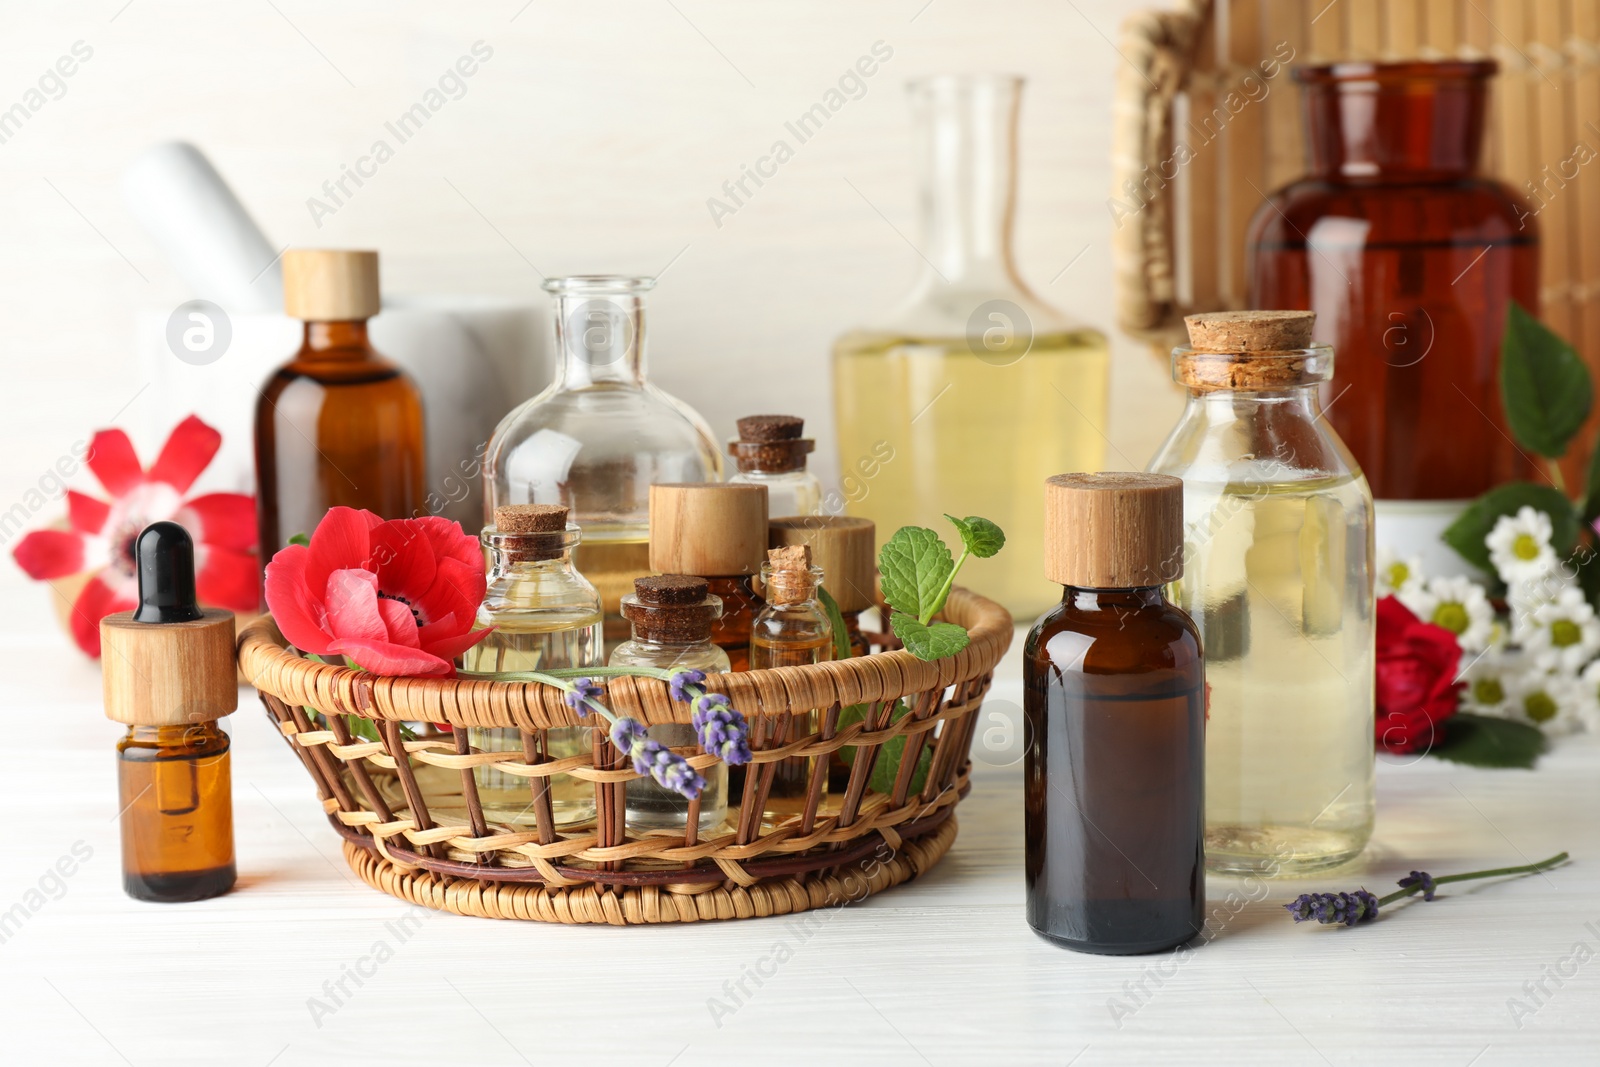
(716, 531)
(338, 424)
(169, 675)
(1114, 701)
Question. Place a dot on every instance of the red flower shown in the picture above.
(1416, 670)
(100, 541)
(397, 597)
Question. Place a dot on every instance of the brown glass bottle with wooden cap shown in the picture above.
(771, 451)
(1115, 710)
(791, 631)
(169, 675)
(846, 550)
(338, 424)
(717, 531)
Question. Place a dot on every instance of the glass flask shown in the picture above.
(672, 615)
(980, 389)
(546, 616)
(1409, 256)
(1278, 576)
(598, 437)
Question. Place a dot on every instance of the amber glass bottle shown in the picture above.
(1409, 257)
(176, 794)
(1114, 705)
(338, 424)
(717, 531)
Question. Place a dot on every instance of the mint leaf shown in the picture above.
(1483, 741)
(889, 754)
(981, 537)
(841, 635)
(1466, 534)
(915, 564)
(1544, 385)
(1591, 493)
(934, 641)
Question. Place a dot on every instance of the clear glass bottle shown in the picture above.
(600, 435)
(972, 366)
(770, 451)
(1278, 575)
(791, 631)
(671, 616)
(1114, 697)
(846, 549)
(546, 616)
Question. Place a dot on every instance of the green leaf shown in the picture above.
(934, 641)
(1484, 741)
(300, 539)
(981, 537)
(841, 634)
(915, 564)
(1466, 535)
(1591, 492)
(889, 755)
(1544, 385)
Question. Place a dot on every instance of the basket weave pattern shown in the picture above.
(377, 793)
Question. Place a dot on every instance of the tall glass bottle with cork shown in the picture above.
(972, 366)
(546, 616)
(718, 532)
(600, 435)
(791, 631)
(338, 425)
(1278, 575)
(771, 451)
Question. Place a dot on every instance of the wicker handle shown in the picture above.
(1159, 48)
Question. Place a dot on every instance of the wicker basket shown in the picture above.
(413, 825)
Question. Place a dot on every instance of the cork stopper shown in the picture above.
(329, 285)
(672, 609)
(1250, 350)
(844, 547)
(1114, 530)
(771, 444)
(790, 577)
(711, 528)
(529, 533)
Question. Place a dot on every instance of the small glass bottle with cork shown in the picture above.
(792, 631)
(672, 616)
(846, 550)
(717, 531)
(770, 451)
(169, 676)
(546, 616)
(1115, 706)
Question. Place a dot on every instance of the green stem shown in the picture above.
(1554, 470)
(1498, 872)
(944, 590)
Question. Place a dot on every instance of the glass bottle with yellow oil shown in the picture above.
(1278, 575)
(546, 616)
(981, 390)
(792, 631)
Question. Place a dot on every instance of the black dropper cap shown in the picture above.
(164, 556)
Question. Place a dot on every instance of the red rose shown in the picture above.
(1416, 672)
(396, 597)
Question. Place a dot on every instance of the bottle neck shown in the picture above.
(966, 148)
(1226, 405)
(600, 335)
(1395, 121)
(1085, 599)
(336, 340)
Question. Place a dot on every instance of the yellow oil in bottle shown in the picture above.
(611, 556)
(970, 435)
(1275, 577)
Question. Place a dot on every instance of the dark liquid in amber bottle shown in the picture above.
(1409, 257)
(177, 822)
(1114, 773)
(740, 606)
(337, 425)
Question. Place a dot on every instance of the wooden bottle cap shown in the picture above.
(1113, 530)
(330, 285)
(844, 547)
(168, 674)
(710, 528)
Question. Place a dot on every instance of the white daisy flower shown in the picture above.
(1519, 546)
(1564, 634)
(1459, 605)
(1548, 700)
(1491, 682)
(1589, 697)
(1523, 599)
(1396, 576)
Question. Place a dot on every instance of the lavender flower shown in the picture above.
(583, 690)
(625, 733)
(678, 683)
(1421, 879)
(670, 770)
(1346, 908)
(722, 731)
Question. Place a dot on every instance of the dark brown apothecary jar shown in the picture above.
(1409, 257)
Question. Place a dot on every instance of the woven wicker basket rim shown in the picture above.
(269, 665)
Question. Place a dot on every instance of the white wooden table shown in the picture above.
(940, 971)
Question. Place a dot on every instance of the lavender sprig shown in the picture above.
(1348, 909)
(721, 730)
(583, 692)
